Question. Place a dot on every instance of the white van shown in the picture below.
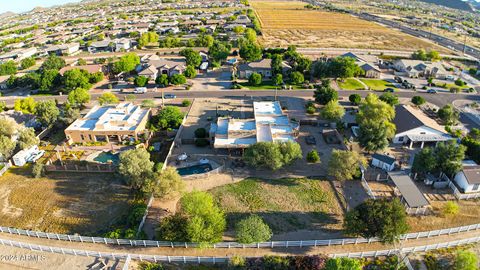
(140, 90)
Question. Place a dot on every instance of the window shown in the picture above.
(476, 186)
(82, 137)
(400, 139)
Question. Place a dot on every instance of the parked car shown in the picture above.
(169, 96)
(398, 79)
(140, 90)
(431, 91)
(310, 140)
(390, 90)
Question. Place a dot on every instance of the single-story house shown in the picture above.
(383, 162)
(413, 126)
(468, 179)
(166, 66)
(151, 72)
(102, 46)
(366, 62)
(417, 68)
(413, 199)
(64, 49)
(371, 71)
(262, 67)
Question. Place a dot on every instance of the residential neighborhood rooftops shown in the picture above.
(408, 117)
(384, 158)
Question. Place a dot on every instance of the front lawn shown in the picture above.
(450, 85)
(350, 84)
(267, 85)
(84, 203)
(378, 85)
(285, 204)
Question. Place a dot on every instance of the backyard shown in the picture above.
(287, 23)
(287, 205)
(62, 202)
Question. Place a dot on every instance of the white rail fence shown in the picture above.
(462, 196)
(273, 244)
(191, 259)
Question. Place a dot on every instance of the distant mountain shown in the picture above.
(455, 4)
(6, 14)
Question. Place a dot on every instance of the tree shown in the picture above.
(250, 35)
(424, 161)
(78, 97)
(449, 157)
(252, 230)
(47, 112)
(343, 264)
(205, 41)
(135, 167)
(313, 157)
(250, 51)
(374, 118)
(296, 77)
(342, 67)
(53, 62)
(466, 260)
(206, 221)
(177, 79)
(390, 98)
(70, 114)
(325, 93)
(168, 118)
(345, 165)
(450, 208)
(420, 55)
(162, 80)
(47, 79)
(418, 100)
(38, 170)
(76, 78)
(333, 111)
(448, 114)
(255, 79)
(108, 98)
(172, 228)
(355, 99)
(192, 58)
(278, 79)
(96, 77)
(382, 218)
(27, 63)
(219, 51)
(170, 183)
(276, 64)
(127, 63)
(8, 68)
(26, 105)
(7, 127)
(27, 138)
(81, 62)
(190, 72)
(148, 38)
(6, 147)
(434, 55)
(272, 155)
(141, 81)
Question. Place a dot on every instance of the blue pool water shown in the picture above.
(195, 169)
(106, 157)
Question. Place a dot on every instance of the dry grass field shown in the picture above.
(285, 204)
(62, 203)
(289, 23)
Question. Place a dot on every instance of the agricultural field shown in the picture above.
(287, 205)
(287, 23)
(62, 203)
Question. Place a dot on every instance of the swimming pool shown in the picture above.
(195, 169)
(107, 157)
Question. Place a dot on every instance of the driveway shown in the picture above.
(211, 81)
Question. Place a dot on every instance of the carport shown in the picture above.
(413, 199)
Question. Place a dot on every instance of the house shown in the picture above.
(368, 63)
(101, 46)
(18, 54)
(88, 68)
(112, 123)
(166, 66)
(64, 49)
(468, 179)
(262, 67)
(413, 126)
(384, 162)
(417, 68)
(270, 124)
(413, 199)
(151, 72)
(123, 44)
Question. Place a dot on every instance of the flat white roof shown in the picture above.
(124, 116)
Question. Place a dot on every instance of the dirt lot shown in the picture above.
(289, 23)
(62, 203)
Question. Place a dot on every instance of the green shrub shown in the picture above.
(136, 214)
(450, 208)
(311, 110)
(252, 229)
(186, 103)
(313, 156)
(38, 170)
(201, 142)
(200, 133)
(418, 100)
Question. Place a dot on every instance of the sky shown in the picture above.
(27, 5)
